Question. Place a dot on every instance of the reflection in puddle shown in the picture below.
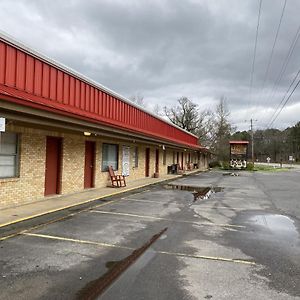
(198, 192)
(277, 224)
(164, 236)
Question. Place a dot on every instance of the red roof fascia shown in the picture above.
(29, 100)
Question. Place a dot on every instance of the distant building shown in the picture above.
(63, 130)
(238, 154)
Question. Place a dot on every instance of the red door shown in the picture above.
(147, 162)
(53, 165)
(89, 164)
(157, 161)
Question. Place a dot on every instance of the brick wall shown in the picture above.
(72, 164)
(29, 186)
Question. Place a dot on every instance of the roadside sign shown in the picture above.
(2, 124)
(291, 158)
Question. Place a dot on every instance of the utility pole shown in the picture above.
(252, 140)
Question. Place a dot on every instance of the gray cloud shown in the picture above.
(167, 49)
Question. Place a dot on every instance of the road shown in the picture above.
(241, 242)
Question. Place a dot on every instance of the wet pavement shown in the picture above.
(273, 241)
(227, 237)
(197, 191)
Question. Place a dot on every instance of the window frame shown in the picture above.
(105, 168)
(16, 155)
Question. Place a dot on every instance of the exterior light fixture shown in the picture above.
(86, 133)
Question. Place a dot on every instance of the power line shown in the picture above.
(288, 98)
(284, 65)
(281, 102)
(273, 47)
(254, 54)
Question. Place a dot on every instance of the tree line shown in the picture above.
(214, 130)
(279, 145)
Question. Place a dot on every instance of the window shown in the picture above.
(9, 156)
(136, 157)
(110, 155)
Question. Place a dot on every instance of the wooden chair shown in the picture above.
(116, 180)
(180, 170)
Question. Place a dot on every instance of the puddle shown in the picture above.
(136, 260)
(277, 224)
(163, 237)
(198, 192)
(272, 240)
(112, 263)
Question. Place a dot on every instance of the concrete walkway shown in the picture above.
(12, 215)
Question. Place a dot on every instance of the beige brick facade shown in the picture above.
(30, 185)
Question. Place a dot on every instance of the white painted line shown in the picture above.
(108, 245)
(165, 219)
(148, 201)
(52, 237)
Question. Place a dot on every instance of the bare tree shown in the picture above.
(184, 115)
(138, 99)
(222, 130)
(212, 127)
(157, 110)
(205, 130)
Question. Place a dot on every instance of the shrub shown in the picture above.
(225, 165)
(214, 164)
(250, 166)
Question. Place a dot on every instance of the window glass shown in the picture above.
(110, 156)
(8, 155)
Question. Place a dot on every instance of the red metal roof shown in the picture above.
(33, 80)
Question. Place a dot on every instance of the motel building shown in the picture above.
(61, 131)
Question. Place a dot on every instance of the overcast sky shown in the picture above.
(201, 49)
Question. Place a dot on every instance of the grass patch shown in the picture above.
(265, 168)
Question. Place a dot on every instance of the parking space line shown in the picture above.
(199, 205)
(8, 237)
(147, 201)
(165, 219)
(55, 220)
(53, 237)
(108, 245)
(240, 261)
(224, 207)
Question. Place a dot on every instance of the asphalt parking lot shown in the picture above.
(240, 242)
